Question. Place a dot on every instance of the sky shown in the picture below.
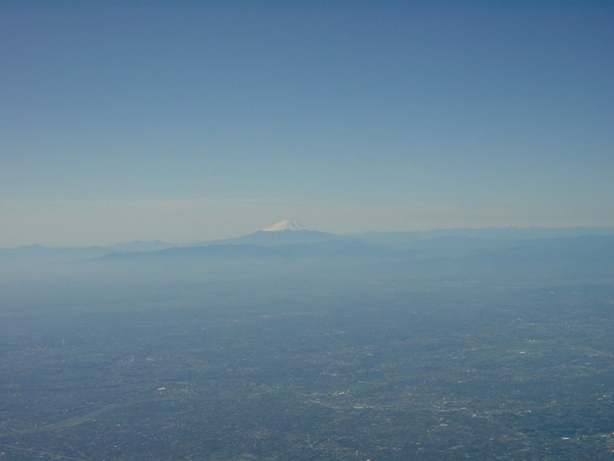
(189, 121)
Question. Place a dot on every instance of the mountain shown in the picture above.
(42, 254)
(201, 252)
(284, 232)
(287, 239)
(410, 239)
(286, 225)
(138, 245)
(485, 252)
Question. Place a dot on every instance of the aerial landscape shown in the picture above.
(283, 231)
(311, 345)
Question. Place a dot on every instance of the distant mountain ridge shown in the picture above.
(409, 238)
(138, 245)
(525, 253)
(291, 232)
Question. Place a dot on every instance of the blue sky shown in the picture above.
(143, 120)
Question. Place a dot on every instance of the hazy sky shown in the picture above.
(184, 122)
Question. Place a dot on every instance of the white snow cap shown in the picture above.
(286, 224)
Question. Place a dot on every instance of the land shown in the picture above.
(295, 360)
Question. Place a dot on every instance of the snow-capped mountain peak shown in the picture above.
(285, 225)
